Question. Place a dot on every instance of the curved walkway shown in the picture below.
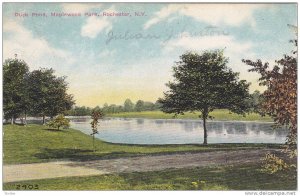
(21, 172)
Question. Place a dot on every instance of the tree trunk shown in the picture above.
(204, 117)
(44, 121)
(12, 120)
(94, 142)
(205, 131)
(25, 118)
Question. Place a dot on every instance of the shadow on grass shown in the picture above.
(242, 177)
(54, 130)
(212, 146)
(81, 154)
(18, 124)
(238, 177)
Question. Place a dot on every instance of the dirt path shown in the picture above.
(13, 173)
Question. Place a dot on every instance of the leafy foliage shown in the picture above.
(15, 94)
(280, 98)
(204, 83)
(49, 93)
(80, 111)
(59, 121)
(128, 105)
(39, 92)
(97, 114)
(256, 99)
(139, 105)
(273, 164)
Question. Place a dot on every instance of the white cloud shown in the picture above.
(188, 42)
(234, 49)
(214, 14)
(36, 51)
(94, 25)
(79, 7)
(162, 14)
(107, 53)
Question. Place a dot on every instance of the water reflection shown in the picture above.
(140, 121)
(189, 127)
(173, 131)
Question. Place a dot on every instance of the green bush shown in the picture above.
(273, 164)
(59, 121)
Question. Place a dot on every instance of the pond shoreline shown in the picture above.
(72, 144)
(144, 131)
(175, 119)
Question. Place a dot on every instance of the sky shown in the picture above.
(113, 51)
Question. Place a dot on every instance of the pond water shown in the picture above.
(175, 131)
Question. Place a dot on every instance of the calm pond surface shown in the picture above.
(176, 131)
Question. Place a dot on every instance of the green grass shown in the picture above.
(242, 177)
(220, 114)
(37, 143)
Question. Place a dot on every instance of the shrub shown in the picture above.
(59, 121)
(273, 164)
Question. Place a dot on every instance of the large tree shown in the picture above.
(280, 98)
(15, 94)
(48, 93)
(203, 83)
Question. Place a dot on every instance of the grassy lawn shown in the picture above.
(220, 114)
(37, 143)
(242, 177)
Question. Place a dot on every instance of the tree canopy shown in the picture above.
(203, 83)
(96, 115)
(49, 93)
(39, 92)
(15, 92)
(280, 98)
(128, 105)
(139, 105)
(59, 121)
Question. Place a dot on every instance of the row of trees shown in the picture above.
(128, 106)
(139, 106)
(35, 93)
(253, 103)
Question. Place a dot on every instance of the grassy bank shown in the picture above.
(221, 114)
(37, 143)
(242, 177)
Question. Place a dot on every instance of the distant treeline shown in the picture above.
(128, 106)
(141, 105)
